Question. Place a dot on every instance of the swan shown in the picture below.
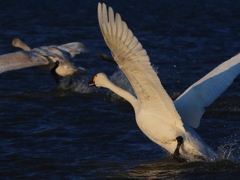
(167, 123)
(54, 58)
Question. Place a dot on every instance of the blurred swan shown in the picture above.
(54, 58)
(18, 43)
(166, 123)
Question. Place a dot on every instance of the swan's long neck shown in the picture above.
(124, 94)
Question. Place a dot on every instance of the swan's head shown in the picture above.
(99, 80)
(18, 43)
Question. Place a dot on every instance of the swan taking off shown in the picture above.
(166, 123)
(54, 58)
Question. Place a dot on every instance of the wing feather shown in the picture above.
(125, 31)
(21, 59)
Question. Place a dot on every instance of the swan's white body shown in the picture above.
(44, 56)
(156, 115)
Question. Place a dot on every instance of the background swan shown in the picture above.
(54, 58)
(155, 112)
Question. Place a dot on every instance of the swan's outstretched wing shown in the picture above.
(134, 62)
(21, 59)
(190, 105)
(73, 48)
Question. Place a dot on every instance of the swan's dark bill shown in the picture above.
(92, 83)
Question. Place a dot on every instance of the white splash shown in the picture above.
(82, 87)
(230, 150)
(226, 153)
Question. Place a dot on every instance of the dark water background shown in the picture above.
(82, 133)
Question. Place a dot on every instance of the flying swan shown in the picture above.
(54, 58)
(168, 124)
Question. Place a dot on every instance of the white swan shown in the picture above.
(54, 58)
(155, 112)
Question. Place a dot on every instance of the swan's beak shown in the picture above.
(92, 83)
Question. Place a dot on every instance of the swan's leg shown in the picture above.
(176, 154)
(54, 74)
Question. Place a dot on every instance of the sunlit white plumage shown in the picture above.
(155, 112)
(44, 56)
(190, 105)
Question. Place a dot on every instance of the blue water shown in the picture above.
(49, 132)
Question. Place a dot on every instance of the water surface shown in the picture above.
(88, 133)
